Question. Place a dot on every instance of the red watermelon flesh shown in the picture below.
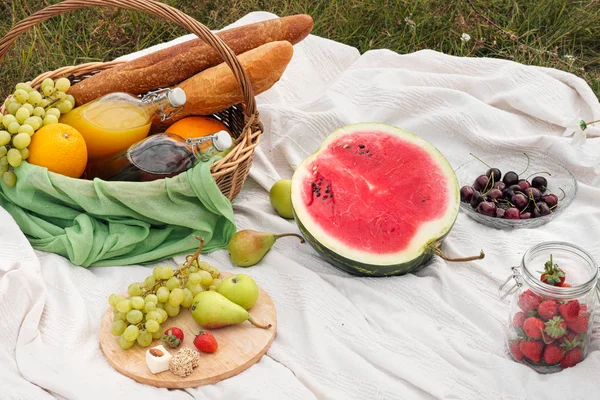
(372, 190)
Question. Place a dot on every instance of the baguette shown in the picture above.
(217, 89)
(174, 64)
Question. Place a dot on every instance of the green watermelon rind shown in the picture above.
(423, 254)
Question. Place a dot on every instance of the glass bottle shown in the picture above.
(556, 333)
(158, 156)
(117, 120)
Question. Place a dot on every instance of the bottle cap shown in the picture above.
(177, 97)
(222, 140)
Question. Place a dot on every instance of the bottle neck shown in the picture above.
(159, 103)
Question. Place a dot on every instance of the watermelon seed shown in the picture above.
(362, 146)
(318, 194)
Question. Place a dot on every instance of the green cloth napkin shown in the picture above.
(102, 223)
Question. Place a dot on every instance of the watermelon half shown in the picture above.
(375, 200)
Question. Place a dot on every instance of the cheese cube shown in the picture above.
(158, 359)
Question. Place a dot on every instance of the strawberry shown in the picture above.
(572, 340)
(206, 342)
(569, 311)
(529, 301)
(552, 274)
(571, 357)
(581, 324)
(555, 328)
(518, 319)
(515, 350)
(533, 327)
(553, 354)
(172, 337)
(532, 349)
(565, 285)
(547, 309)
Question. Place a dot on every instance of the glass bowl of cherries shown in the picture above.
(515, 191)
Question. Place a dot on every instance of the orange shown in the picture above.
(60, 148)
(196, 126)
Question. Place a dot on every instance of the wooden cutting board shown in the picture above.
(240, 346)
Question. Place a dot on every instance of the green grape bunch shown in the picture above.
(137, 316)
(25, 112)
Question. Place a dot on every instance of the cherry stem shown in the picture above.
(290, 234)
(439, 253)
(253, 322)
(527, 164)
(592, 122)
(483, 162)
(541, 172)
(564, 194)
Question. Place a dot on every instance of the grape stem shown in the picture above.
(188, 263)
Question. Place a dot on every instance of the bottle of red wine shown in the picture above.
(158, 156)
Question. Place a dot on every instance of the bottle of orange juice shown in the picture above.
(117, 120)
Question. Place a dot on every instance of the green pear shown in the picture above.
(280, 196)
(212, 310)
(248, 247)
(241, 289)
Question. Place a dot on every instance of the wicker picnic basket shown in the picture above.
(231, 171)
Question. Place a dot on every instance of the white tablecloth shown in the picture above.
(435, 334)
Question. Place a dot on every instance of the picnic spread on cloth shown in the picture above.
(337, 330)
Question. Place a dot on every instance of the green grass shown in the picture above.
(561, 34)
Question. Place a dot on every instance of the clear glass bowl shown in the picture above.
(560, 178)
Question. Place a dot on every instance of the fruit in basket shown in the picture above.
(547, 309)
(582, 323)
(241, 289)
(280, 197)
(529, 301)
(60, 148)
(248, 247)
(515, 350)
(375, 200)
(29, 110)
(518, 198)
(212, 310)
(137, 316)
(206, 342)
(197, 126)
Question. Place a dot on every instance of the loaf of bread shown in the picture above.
(217, 89)
(167, 67)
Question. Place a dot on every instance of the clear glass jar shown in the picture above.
(549, 327)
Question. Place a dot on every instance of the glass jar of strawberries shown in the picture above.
(554, 296)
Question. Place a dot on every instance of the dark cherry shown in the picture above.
(523, 184)
(494, 194)
(496, 172)
(476, 199)
(533, 192)
(512, 213)
(466, 193)
(510, 178)
(526, 215)
(480, 183)
(487, 208)
(541, 209)
(519, 200)
(550, 199)
(540, 183)
(510, 191)
(499, 185)
(500, 212)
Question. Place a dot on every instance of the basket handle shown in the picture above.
(151, 7)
